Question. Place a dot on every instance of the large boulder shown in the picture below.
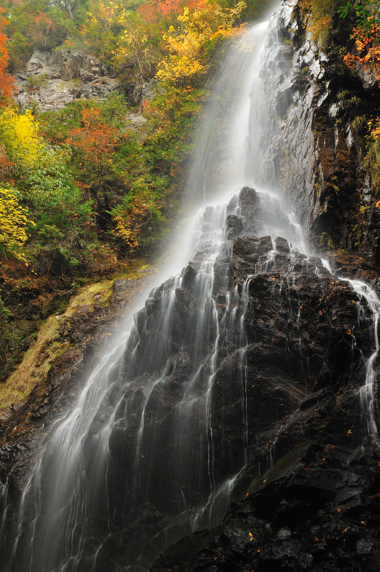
(54, 79)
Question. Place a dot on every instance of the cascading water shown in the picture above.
(369, 313)
(73, 508)
(143, 458)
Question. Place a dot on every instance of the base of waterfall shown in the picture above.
(317, 509)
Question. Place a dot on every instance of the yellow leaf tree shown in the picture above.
(139, 210)
(208, 23)
(19, 137)
(134, 43)
(13, 222)
(318, 15)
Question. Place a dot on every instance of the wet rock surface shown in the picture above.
(314, 147)
(303, 362)
(251, 391)
(306, 496)
(316, 510)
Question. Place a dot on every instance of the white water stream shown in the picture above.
(367, 391)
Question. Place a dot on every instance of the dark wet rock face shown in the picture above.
(315, 510)
(313, 148)
(288, 369)
(308, 488)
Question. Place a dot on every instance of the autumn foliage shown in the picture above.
(83, 168)
(205, 24)
(156, 10)
(318, 15)
(41, 29)
(367, 53)
(19, 137)
(94, 143)
(7, 85)
(13, 222)
(129, 220)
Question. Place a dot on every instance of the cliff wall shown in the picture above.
(313, 151)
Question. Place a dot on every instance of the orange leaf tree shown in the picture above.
(7, 85)
(367, 44)
(366, 35)
(94, 146)
(367, 57)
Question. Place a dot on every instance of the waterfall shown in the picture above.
(143, 458)
(71, 491)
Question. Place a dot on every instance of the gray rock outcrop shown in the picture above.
(61, 77)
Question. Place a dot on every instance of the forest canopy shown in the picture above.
(86, 154)
(82, 192)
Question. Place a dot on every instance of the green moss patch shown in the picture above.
(50, 345)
